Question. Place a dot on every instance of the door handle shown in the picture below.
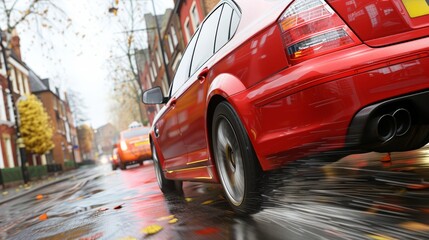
(203, 75)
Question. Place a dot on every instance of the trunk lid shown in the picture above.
(384, 22)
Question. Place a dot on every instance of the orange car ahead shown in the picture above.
(134, 146)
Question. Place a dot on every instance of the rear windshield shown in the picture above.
(135, 132)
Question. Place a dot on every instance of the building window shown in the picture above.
(170, 45)
(9, 153)
(152, 77)
(13, 79)
(173, 35)
(27, 88)
(2, 107)
(1, 157)
(176, 62)
(21, 83)
(158, 60)
(188, 32)
(195, 17)
(9, 103)
(154, 70)
(159, 56)
(166, 57)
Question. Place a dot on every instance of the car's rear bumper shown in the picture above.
(143, 153)
(307, 109)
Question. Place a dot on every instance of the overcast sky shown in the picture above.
(78, 60)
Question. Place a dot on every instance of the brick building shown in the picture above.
(64, 136)
(9, 94)
(177, 27)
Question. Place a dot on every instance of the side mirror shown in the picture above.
(153, 96)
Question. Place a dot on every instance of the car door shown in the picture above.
(170, 137)
(192, 102)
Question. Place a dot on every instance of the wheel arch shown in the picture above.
(221, 89)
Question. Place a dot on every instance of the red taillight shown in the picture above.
(124, 146)
(310, 28)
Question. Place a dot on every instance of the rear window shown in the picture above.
(135, 132)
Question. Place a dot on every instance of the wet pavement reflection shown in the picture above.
(359, 197)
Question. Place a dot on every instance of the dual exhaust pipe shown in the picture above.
(388, 126)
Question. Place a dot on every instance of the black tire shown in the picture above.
(236, 162)
(114, 167)
(141, 163)
(166, 185)
(122, 165)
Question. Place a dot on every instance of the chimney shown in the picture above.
(15, 45)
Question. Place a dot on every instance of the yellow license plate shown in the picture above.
(139, 144)
(417, 8)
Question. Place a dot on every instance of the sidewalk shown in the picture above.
(11, 193)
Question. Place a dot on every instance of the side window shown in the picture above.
(222, 35)
(182, 73)
(205, 45)
(234, 23)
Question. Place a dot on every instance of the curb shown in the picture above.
(35, 189)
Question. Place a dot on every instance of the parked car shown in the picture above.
(134, 147)
(264, 83)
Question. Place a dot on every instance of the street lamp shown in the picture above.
(19, 141)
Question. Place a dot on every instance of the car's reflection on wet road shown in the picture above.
(359, 197)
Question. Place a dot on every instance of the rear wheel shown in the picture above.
(114, 166)
(122, 165)
(166, 185)
(236, 162)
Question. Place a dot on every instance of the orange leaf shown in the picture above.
(43, 217)
(39, 197)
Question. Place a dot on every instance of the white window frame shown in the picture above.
(27, 88)
(176, 62)
(21, 83)
(174, 35)
(2, 165)
(170, 44)
(3, 115)
(9, 103)
(193, 12)
(158, 60)
(13, 78)
(9, 151)
(186, 27)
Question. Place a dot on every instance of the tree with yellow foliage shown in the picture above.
(35, 127)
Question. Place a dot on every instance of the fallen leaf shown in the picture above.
(381, 237)
(207, 202)
(165, 218)
(103, 209)
(206, 231)
(128, 238)
(415, 226)
(174, 220)
(43, 217)
(152, 229)
(5, 193)
(118, 207)
(188, 199)
(39, 197)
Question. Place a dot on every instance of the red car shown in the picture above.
(263, 83)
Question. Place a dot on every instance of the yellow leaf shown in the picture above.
(188, 199)
(152, 229)
(128, 238)
(5, 193)
(165, 218)
(174, 220)
(415, 226)
(207, 202)
(380, 237)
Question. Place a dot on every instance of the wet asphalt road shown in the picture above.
(358, 197)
